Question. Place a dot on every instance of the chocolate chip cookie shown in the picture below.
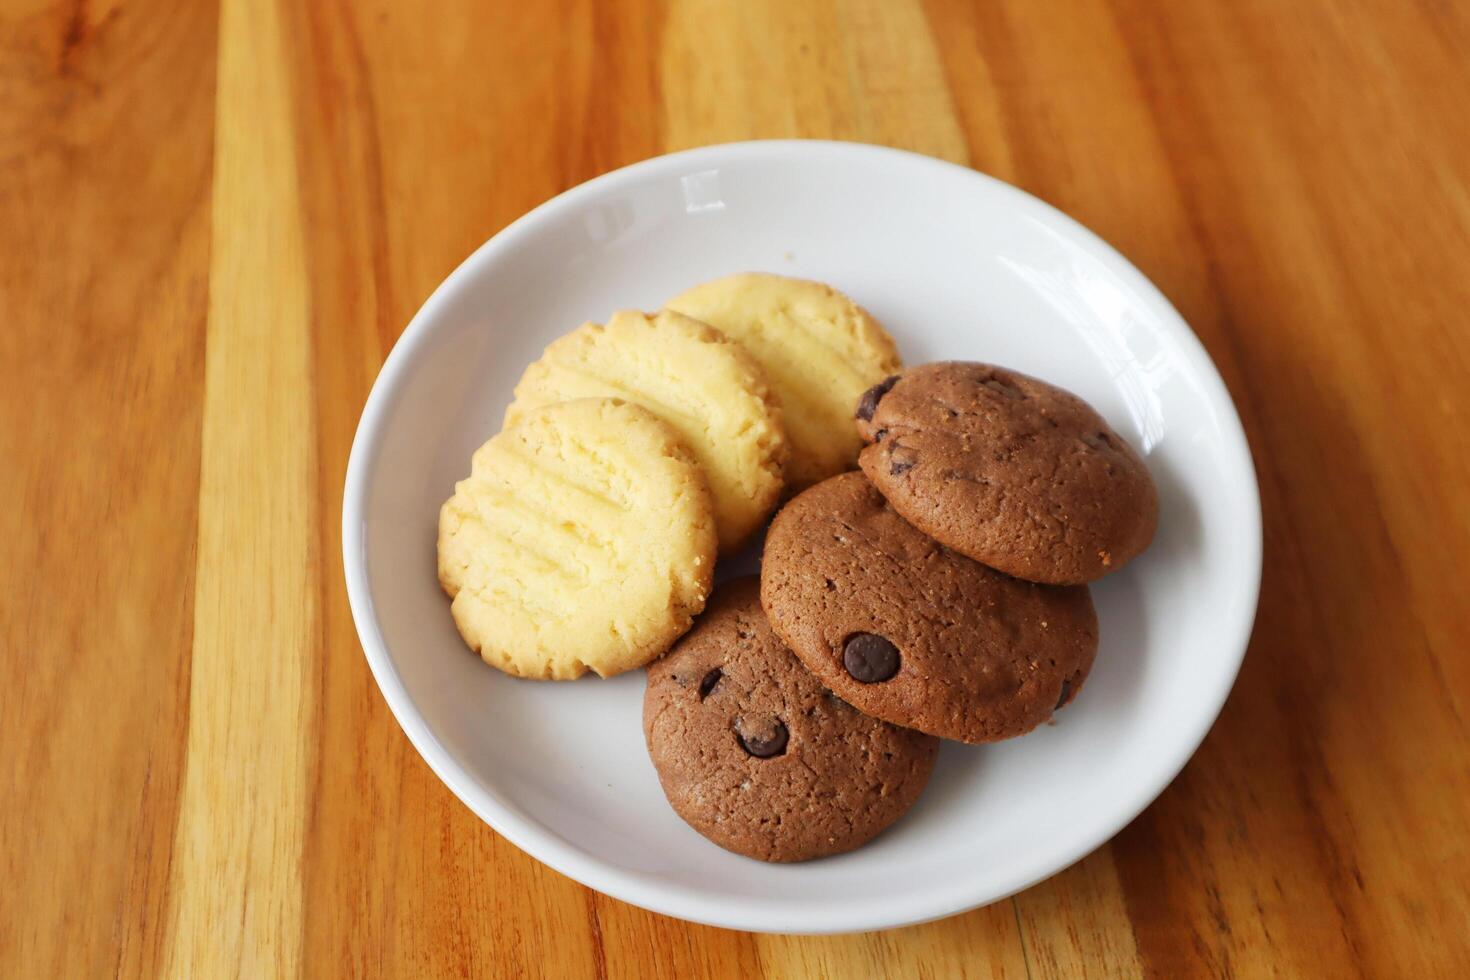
(755, 754)
(912, 632)
(1008, 470)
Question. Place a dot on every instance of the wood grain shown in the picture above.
(215, 218)
(105, 173)
(236, 883)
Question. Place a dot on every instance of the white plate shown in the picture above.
(957, 265)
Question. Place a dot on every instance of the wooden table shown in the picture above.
(215, 218)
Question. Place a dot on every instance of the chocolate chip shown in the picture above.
(764, 738)
(868, 404)
(1097, 441)
(899, 467)
(996, 385)
(869, 658)
(708, 682)
(1066, 690)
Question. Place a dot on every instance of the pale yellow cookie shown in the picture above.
(820, 352)
(694, 378)
(583, 538)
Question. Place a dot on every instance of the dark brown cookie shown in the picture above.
(1009, 470)
(758, 756)
(909, 631)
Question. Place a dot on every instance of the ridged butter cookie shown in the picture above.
(690, 375)
(582, 539)
(819, 349)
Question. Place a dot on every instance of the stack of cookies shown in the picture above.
(939, 591)
(636, 452)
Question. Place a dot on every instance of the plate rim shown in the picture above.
(679, 901)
